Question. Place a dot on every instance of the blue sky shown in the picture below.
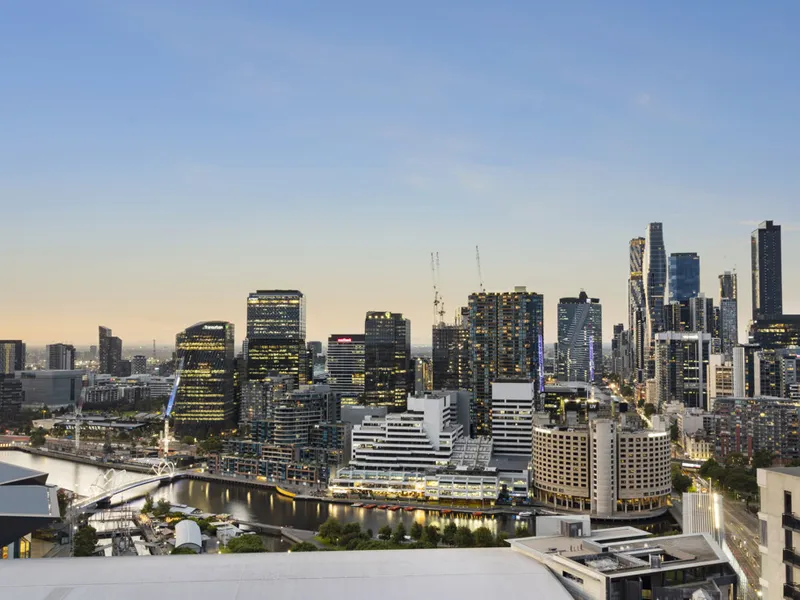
(159, 159)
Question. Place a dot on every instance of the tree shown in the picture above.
(681, 483)
(464, 538)
(385, 533)
(673, 431)
(84, 541)
(483, 537)
(522, 531)
(649, 410)
(449, 533)
(416, 531)
(162, 508)
(762, 459)
(304, 547)
(330, 530)
(245, 544)
(432, 535)
(188, 440)
(37, 438)
(183, 550)
(147, 507)
(735, 459)
(399, 535)
(501, 540)
(351, 529)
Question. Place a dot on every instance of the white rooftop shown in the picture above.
(391, 574)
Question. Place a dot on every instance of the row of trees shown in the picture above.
(735, 475)
(350, 537)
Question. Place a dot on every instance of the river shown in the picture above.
(262, 505)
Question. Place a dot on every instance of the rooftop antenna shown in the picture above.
(438, 281)
(480, 274)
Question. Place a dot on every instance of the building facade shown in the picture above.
(506, 332)
(655, 280)
(779, 524)
(12, 356)
(205, 395)
(682, 367)
(776, 333)
(388, 375)
(61, 357)
(766, 270)
(139, 365)
(684, 276)
(11, 398)
(345, 363)
(637, 309)
(110, 352)
(513, 405)
(580, 339)
(451, 356)
(258, 397)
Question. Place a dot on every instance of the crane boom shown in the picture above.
(170, 406)
(480, 274)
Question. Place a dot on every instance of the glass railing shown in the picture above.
(791, 591)
(791, 557)
(790, 521)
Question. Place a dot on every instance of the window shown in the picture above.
(763, 527)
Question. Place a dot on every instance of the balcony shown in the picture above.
(790, 557)
(791, 591)
(790, 521)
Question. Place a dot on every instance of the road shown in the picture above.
(741, 533)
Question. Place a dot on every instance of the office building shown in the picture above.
(451, 354)
(682, 367)
(729, 324)
(205, 395)
(655, 281)
(110, 352)
(613, 471)
(506, 332)
(580, 339)
(345, 364)
(746, 371)
(765, 264)
(258, 397)
(513, 405)
(701, 312)
(619, 352)
(53, 389)
(61, 357)
(12, 356)
(423, 374)
(139, 365)
(720, 379)
(11, 398)
(276, 336)
(728, 286)
(637, 309)
(290, 417)
(388, 375)
(684, 276)
(626, 563)
(779, 490)
(775, 333)
(26, 504)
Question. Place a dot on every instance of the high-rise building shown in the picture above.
(719, 380)
(345, 362)
(12, 356)
(388, 375)
(139, 364)
(619, 351)
(259, 397)
(637, 309)
(276, 332)
(423, 374)
(765, 264)
(580, 339)
(779, 491)
(61, 357)
(110, 352)
(655, 279)
(775, 333)
(513, 405)
(728, 313)
(684, 276)
(11, 398)
(681, 368)
(701, 312)
(746, 371)
(451, 356)
(205, 398)
(506, 332)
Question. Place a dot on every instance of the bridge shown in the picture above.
(107, 486)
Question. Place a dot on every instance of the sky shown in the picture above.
(159, 159)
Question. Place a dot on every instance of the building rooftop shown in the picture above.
(14, 475)
(466, 574)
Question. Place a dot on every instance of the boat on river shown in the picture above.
(370, 506)
(394, 508)
(409, 509)
(357, 504)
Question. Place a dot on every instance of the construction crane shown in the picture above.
(168, 411)
(436, 301)
(438, 282)
(480, 275)
(78, 412)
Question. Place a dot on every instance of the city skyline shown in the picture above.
(190, 157)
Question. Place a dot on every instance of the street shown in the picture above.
(741, 533)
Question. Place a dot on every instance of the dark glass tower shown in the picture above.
(205, 398)
(765, 263)
(637, 310)
(61, 357)
(728, 313)
(450, 356)
(684, 276)
(12, 356)
(345, 362)
(388, 378)
(580, 339)
(276, 335)
(655, 276)
(506, 332)
(110, 352)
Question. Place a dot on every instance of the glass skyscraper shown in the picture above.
(276, 336)
(684, 276)
(388, 376)
(655, 275)
(728, 313)
(345, 363)
(580, 339)
(506, 333)
(110, 352)
(637, 313)
(205, 398)
(765, 263)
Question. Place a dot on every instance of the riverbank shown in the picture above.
(84, 460)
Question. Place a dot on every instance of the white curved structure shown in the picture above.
(187, 535)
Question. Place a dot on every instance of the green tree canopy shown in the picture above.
(484, 538)
(762, 459)
(416, 531)
(330, 530)
(399, 535)
(449, 533)
(304, 547)
(183, 550)
(85, 541)
(432, 535)
(385, 533)
(649, 410)
(245, 544)
(464, 538)
(37, 438)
